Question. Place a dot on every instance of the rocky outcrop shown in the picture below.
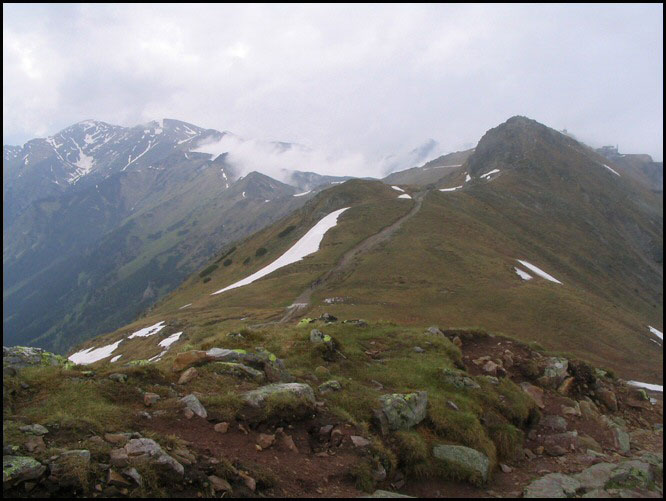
(467, 463)
(18, 357)
(401, 411)
(302, 392)
(629, 478)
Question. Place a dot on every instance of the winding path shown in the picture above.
(303, 300)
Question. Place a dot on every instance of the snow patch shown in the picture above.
(656, 332)
(468, 178)
(165, 343)
(301, 194)
(185, 306)
(116, 358)
(397, 188)
(308, 244)
(405, 196)
(451, 189)
(523, 274)
(148, 331)
(647, 386)
(91, 355)
(488, 174)
(612, 170)
(539, 271)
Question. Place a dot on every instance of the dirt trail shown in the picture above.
(303, 301)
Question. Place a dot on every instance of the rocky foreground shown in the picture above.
(242, 422)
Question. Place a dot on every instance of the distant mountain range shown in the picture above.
(99, 221)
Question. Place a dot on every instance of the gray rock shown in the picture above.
(554, 422)
(595, 477)
(459, 379)
(433, 329)
(560, 443)
(418, 349)
(470, 463)
(386, 494)
(329, 386)
(34, 429)
(316, 336)
(17, 469)
(18, 357)
(403, 411)
(240, 371)
(145, 448)
(621, 440)
(223, 355)
(118, 377)
(554, 372)
(632, 474)
(257, 398)
(359, 441)
(553, 485)
(192, 403)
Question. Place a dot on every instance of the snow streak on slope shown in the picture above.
(647, 386)
(539, 271)
(656, 332)
(523, 274)
(451, 189)
(488, 174)
(308, 244)
(301, 194)
(90, 355)
(148, 331)
(405, 196)
(397, 188)
(612, 170)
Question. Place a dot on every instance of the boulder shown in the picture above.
(359, 441)
(240, 371)
(17, 469)
(468, 463)
(188, 359)
(188, 376)
(433, 329)
(567, 386)
(553, 485)
(148, 449)
(329, 386)
(621, 439)
(34, 429)
(534, 392)
(219, 484)
(18, 357)
(303, 392)
(560, 443)
(150, 399)
(554, 372)
(459, 379)
(386, 494)
(632, 474)
(265, 441)
(118, 377)
(607, 398)
(401, 411)
(221, 427)
(192, 403)
(595, 477)
(554, 422)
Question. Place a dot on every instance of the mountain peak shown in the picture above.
(512, 143)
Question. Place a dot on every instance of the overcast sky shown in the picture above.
(360, 82)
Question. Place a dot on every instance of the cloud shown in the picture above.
(362, 81)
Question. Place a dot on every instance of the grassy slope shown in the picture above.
(453, 263)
